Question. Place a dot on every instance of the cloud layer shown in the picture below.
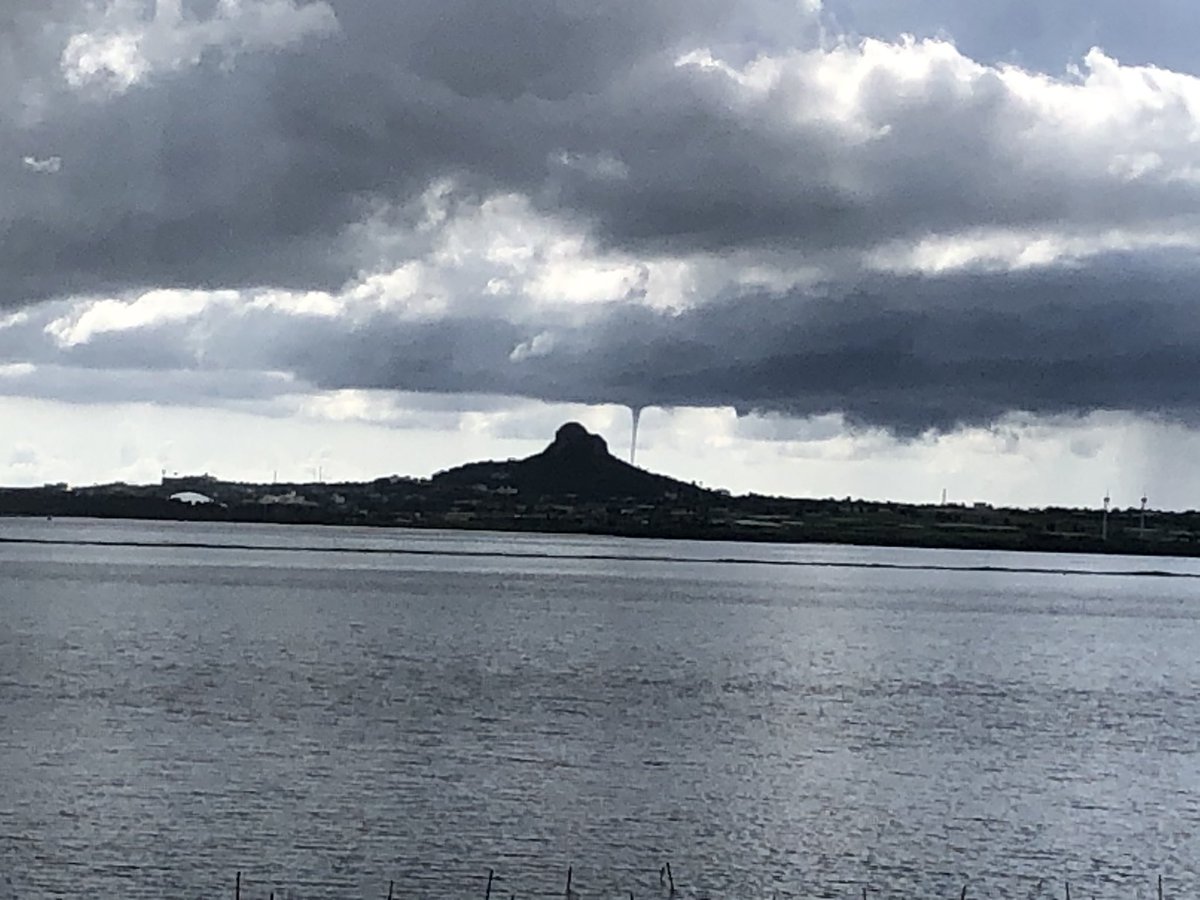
(651, 203)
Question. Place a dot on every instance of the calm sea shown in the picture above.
(328, 710)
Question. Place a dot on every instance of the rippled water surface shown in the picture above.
(328, 710)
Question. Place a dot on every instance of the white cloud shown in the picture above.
(539, 345)
(297, 303)
(503, 247)
(89, 318)
(1101, 157)
(412, 290)
(1013, 250)
(13, 320)
(47, 166)
(379, 407)
(17, 370)
(124, 47)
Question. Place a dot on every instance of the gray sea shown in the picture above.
(330, 710)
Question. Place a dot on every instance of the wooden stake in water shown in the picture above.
(963, 896)
(237, 887)
(491, 875)
(1160, 896)
(391, 887)
(670, 877)
(570, 872)
(1068, 884)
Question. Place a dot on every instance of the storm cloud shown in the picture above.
(912, 354)
(757, 205)
(189, 166)
(186, 165)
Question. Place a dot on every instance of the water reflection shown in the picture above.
(326, 723)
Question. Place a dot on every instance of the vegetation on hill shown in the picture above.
(577, 463)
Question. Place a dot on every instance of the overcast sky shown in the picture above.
(874, 248)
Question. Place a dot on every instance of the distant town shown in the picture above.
(576, 486)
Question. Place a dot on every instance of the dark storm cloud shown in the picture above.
(250, 171)
(213, 174)
(215, 168)
(909, 354)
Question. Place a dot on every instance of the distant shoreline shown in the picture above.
(575, 486)
(601, 557)
(861, 532)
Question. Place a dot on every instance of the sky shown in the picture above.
(830, 248)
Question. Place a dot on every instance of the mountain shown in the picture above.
(577, 462)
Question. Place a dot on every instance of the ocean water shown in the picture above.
(330, 710)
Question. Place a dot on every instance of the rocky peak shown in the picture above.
(573, 441)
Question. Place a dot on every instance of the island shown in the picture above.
(576, 485)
